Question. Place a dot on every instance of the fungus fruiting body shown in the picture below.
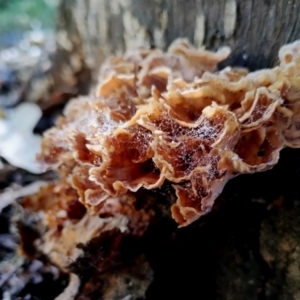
(164, 118)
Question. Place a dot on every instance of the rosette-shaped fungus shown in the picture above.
(158, 117)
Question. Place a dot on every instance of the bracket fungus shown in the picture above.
(170, 117)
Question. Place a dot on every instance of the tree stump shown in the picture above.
(89, 31)
(247, 249)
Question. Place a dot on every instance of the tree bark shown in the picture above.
(254, 29)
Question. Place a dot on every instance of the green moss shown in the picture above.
(17, 15)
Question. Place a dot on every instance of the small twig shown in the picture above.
(8, 197)
(71, 290)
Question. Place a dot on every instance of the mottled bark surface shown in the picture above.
(254, 29)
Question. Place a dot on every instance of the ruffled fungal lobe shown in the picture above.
(157, 117)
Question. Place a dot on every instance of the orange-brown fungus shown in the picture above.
(158, 117)
(66, 222)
